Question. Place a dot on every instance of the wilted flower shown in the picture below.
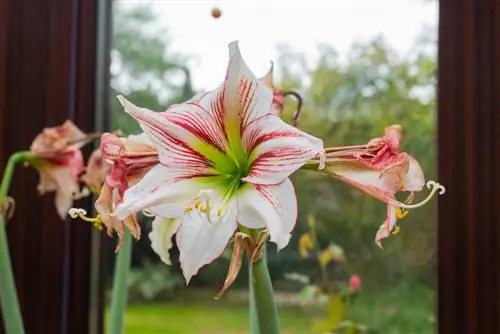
(131, 159)
(96, 171)
(56, 155)
(225, 159)
(381, 170)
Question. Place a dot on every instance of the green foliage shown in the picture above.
(153, 280)
(348, 102)
(143, 67)
(213, 318)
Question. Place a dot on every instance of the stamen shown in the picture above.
(436, 188)
(82, 214)
(197, 203)
(401, 213)
(397, 229)
(219, 212)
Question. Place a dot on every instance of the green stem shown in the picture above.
(11, 310)
(119, 296)
(263, 311)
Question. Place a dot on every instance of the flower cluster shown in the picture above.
(217, 167)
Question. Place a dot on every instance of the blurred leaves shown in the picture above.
(332, 253)
(152, 280)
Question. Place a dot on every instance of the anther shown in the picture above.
(397, 229)
(401, 213)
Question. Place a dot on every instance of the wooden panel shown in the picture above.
(47, 58)
(469, 149)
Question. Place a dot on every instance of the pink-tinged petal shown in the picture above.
(104, 207)
(414, 180)
(55, 140)
(277, 149)
(161, 237)
(176, 140)
(387, 226)
(63, 181)
(371, 181)
(96, 171)
(201, 240)
(275, 205)
(161, 186)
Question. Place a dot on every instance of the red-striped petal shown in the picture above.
(277, 149)
(183, 144)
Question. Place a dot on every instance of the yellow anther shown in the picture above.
(197, 203)
(396, 230)
(203, 208)
(188, 209)
(219, 212)
(401, 186)
(401, 213)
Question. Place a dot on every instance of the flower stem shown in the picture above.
(263, 311)
(119, 296)
(9, 302)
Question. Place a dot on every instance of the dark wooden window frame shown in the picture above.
(469, 160)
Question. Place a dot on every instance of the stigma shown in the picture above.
(435, 188)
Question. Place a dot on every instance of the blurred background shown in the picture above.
(359, 66)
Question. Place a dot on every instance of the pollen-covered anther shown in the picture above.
(396, 230)
(401, 213)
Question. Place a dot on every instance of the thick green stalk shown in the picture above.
(119, 296)
(11, 311)
(263, 311)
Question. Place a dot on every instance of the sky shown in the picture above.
(260, 25)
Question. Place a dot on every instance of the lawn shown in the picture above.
(193, 319)
(400, 310)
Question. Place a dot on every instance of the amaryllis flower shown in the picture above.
(381, 170)
(224, 160)
(56, 155)
(96, 171)
(131, 159)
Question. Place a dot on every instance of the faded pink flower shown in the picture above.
(96, 171)
(381, 170)
(57, 157)
(131, 159)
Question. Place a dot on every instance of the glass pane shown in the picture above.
(359, 67)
